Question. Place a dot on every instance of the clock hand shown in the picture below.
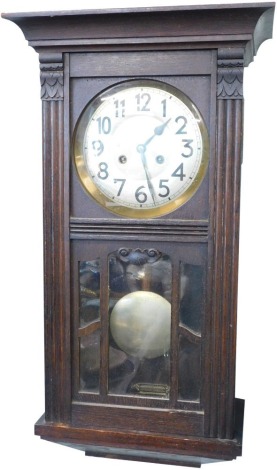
(141, 150)
(157, 131)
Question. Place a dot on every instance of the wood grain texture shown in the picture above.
(204, 448)
(141, 64)
(226, 233)
(132, 418)
(186, 230)
(181, 25)
(56, 319)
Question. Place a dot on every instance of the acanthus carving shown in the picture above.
(51, 80)
(230, 74)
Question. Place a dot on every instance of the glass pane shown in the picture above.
(140, 322)
(189, 369)
(89, 279)
(90, 362)
(190, 317)
(89, 324)
(191, 295)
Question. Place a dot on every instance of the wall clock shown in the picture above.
(142, 131)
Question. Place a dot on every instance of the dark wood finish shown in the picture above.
(130, 64)
(177, 422)
(226, 231)
(57, 370)
(199, 450)
(187, 230)
(202, 51)
(141, 28)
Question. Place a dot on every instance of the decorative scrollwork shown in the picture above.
(138, 256)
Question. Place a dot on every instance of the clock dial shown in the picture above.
(141, 148)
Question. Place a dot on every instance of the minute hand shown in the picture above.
(141, 150)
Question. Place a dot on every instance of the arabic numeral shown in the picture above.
(163, 102)
(188, 147)
(119, 108)
(179, 172)
(143, 100)
(183, 121)
(163, 186)
(103, 171)
(122, 182)
(97, 147)
(104, 125)
(140, 195)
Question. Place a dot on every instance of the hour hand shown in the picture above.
(159, 130)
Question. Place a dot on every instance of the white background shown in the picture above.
(21, 281)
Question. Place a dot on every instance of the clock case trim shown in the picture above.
(233, 49)
(249, 23)
(189, 451)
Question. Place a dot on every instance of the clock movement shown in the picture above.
(142, 150)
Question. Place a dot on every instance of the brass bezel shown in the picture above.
(87, 181)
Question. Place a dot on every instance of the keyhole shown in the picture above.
(122, 159)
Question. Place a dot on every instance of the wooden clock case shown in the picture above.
(202, 51)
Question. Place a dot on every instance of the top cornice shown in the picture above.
(246, 25)
(108, 11)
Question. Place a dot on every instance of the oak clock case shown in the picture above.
(142, 132)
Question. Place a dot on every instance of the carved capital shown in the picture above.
(51, 80)
(230, 74)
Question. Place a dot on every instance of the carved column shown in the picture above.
(226, 233)
(56, 336)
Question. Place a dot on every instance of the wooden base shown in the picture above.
(152, 457)
(146, 447)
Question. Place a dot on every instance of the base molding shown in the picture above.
(143, 446)
(152, 457)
